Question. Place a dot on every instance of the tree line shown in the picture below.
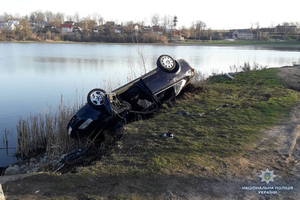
(90, 22)
(198, 30)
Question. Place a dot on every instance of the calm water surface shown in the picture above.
(35, 76)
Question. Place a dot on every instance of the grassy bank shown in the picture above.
(205, 146)
(202, 145)
(246, 43)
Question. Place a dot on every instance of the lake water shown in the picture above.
(35, 76)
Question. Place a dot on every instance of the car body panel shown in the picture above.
(155, 87)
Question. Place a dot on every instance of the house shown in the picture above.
(67, 26)
(118, 30)
(286, 29)
(13, 22)
(38, 26)
(177, 35)
(146, 29)
(3, 25)
(109, 24)
(9, 26)
(243, 34)
(78, 29)
(136, 27)
(95, 30)
(157, 30)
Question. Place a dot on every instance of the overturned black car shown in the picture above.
(141, 96)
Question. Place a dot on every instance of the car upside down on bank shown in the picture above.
(141, 96)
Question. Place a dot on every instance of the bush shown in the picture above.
(56, 38)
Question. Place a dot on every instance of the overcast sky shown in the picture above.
(217, 14)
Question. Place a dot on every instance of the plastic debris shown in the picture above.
(168, 134)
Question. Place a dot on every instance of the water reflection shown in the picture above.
(66, 60)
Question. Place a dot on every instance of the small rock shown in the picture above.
(34, 170)
(12, 170)
(1, 193)
(44, 160)
(32, 160)
(23, 169)
(291, 173)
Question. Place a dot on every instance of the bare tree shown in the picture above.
(7, 16)
(17, 16)
(39, 16)
(50, 16)
(199, 27)
(98, 18)
(60, 17)
(167, 21)
(95, 17)
(69, 18)
(155, 20)
(76, 17)
(257, 25)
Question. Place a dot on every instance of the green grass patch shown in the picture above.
(255, 100)
(245, 42)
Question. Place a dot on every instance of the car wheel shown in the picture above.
(95, 98)
(166, 63)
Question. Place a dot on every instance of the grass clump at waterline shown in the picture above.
(202, 145)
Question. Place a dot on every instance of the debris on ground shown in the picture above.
(188, 114)
(73, 155)
(1, 193)
(168, 134)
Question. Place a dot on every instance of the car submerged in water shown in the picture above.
(141, 96)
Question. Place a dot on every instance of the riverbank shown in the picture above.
(274, 44)
(211, 155)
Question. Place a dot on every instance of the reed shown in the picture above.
(46, 133)
(199, 79)
(5, 141)
(246, 67)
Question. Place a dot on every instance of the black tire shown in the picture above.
(95, 98)
(166, 63)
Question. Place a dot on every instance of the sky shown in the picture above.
(217, 14)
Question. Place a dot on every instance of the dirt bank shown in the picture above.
(291, 75)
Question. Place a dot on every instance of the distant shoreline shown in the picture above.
(281, 44)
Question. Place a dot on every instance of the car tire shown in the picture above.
(166, 63)
(95, 98)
